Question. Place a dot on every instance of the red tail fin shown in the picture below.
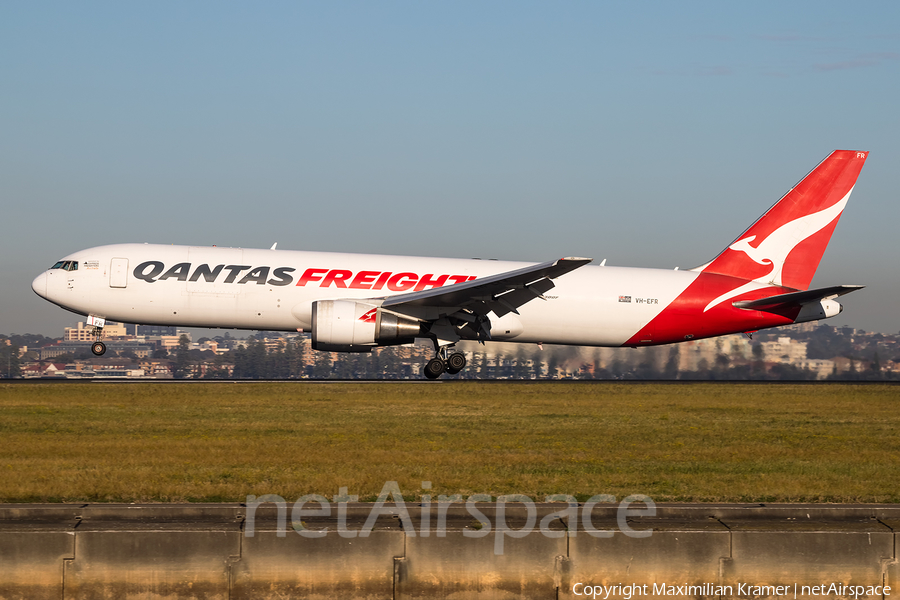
(784, 246)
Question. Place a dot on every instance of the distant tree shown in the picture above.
(251, 361)
(286, 361)
(215, 372)
(617, 368)
(552, 363)
(374, 364)
(344, 366)
(670, 371)
(521, 369)
(239, 356)
(323, 366)
(83, 354)
(182, 358)
(9, 361)
(256, 355)
(722, 363)
(31, 340)
(645, 370)
(504, 367)
(741, 371)
(876, 366)
(828, 342)
(703, 367)
(407, 371)
(390, 362)
(790, 372)
(758, 352)
(758, 367)
(483, 367)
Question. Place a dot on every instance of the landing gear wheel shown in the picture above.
(434, 368)
(98, 348)
(456, 363)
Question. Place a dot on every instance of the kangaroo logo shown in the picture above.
(776, 247)
(369, 316)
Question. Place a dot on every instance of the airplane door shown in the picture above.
(118, 273)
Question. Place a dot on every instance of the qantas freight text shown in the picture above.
(152, 271)
(357, 302)
(377, 280)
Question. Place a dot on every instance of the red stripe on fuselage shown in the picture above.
(685, 319)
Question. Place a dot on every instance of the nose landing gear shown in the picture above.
(98, 347)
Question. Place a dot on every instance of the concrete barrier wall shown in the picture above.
(206, 551)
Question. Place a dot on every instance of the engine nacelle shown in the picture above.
(822, 309)
(350, 326)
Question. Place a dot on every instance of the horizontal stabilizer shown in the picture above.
(797, 298)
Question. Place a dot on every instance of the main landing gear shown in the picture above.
(444, 362)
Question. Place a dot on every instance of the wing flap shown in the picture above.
(502, 293)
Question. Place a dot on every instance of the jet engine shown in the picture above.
(350, 326)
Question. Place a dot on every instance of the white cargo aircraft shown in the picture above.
(356, 302)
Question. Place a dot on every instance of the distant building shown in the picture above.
(105, 374)
(807, 327)
(81, 333)
(167, 342)
(785, 350)
(693, 354)
(822, 368)
(207, 345)
(153, 330)
(34, 370)
(139, 349)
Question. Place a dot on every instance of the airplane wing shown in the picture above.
(501, 293)
(797, 298)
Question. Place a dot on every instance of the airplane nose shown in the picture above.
(39, 285)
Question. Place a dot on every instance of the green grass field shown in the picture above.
(113, 442)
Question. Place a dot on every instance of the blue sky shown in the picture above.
(649, 134)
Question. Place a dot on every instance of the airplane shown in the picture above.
(357, 302)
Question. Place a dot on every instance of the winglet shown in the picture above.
(566, 265)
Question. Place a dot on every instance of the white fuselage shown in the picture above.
(275, 290)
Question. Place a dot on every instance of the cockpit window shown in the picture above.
(66, 265)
